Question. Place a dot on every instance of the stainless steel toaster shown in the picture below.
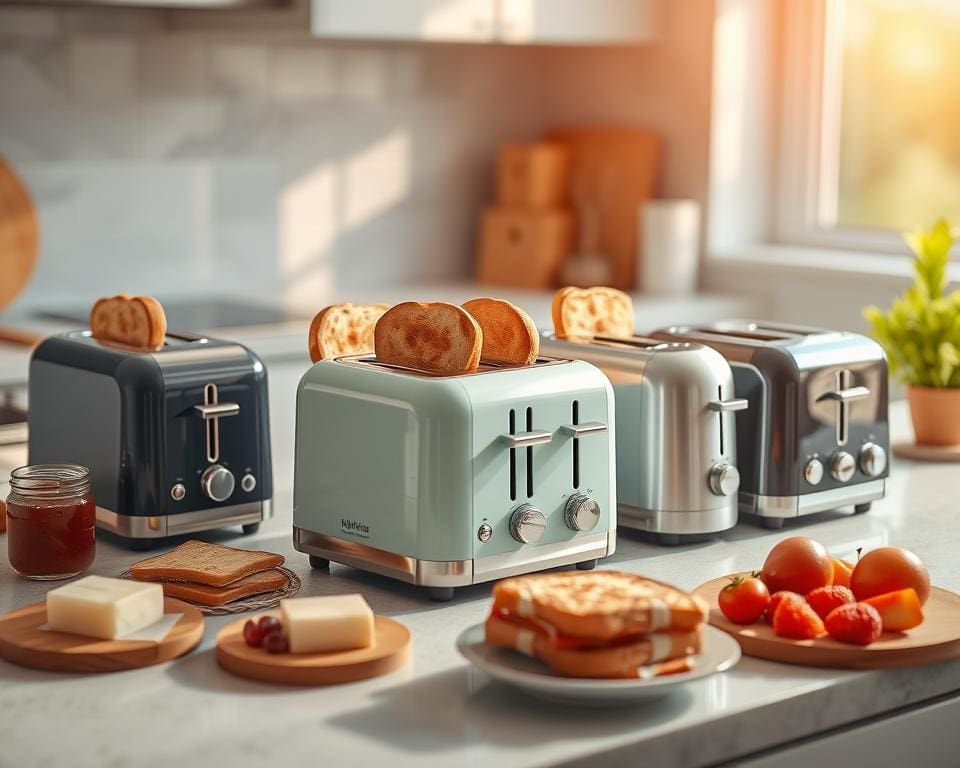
(676, 433)
(815, 436)
(177, 440)
(445, 481)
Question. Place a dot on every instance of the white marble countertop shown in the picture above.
(438, 711)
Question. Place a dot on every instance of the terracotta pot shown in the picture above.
(936, 414)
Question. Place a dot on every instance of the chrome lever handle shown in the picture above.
(728, 406)
(845, 395)
(525, 439)
(584, 430)
(217, 410)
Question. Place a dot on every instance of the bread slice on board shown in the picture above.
(344, 329)
(437, 337)
(509, 333)
(137, 321)
(592, 312)
(201, 594)
(620, 660)
(212, 564)
(600, 604)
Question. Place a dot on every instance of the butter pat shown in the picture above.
(323, 624)
(105, 608)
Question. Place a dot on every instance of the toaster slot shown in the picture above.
(212, 426)
(529, 454)
(513, 456)
(575, 418)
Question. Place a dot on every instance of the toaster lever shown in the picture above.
(524, 439)
(217, 410)
(845, 395)
(584, 430)
(726, 406)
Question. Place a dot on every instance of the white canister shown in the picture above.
(669, 254)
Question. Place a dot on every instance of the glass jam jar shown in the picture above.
(51, 518)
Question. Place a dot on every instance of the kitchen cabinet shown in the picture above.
(575, 22)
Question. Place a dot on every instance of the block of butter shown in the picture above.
(324, 624)
(106, 608)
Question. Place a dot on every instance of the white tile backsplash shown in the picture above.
(103, 70)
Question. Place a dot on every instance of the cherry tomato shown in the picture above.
(744, 599)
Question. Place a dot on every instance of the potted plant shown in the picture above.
(921, 336)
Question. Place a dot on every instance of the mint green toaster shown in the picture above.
(445, 481)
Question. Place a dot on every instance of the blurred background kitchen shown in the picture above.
(249, 162)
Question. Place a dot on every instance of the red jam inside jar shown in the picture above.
(51, 520)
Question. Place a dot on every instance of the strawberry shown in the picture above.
(775, 599)
(795, 619)
(825, 599)
(856, 623)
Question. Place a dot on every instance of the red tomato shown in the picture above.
(797, 564)
(890, 569)
(744, 599)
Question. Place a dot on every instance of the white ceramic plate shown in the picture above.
(720, 652)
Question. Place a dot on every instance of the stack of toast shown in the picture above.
(212, 575)
(602, 624)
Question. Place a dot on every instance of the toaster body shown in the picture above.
(444, 481)
(815, 436)
(177, 440)
(676, 432)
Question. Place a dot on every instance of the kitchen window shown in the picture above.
(869, 139)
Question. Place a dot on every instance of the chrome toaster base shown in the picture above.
(159, 526)
(772, 510)
(673, 525)
(446, 574)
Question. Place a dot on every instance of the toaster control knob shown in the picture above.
(217, 483)
(873, 459)
(178, 492)
(527, 524)
(842, 466)
(724, 479)
(581, 513)
(813, 471)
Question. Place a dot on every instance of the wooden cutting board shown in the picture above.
(18, 235)
(937, 639)
(390, 651)
(616, 170)
(23, 642)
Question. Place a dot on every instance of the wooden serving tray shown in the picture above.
(936, 639)
(390, 651)
(23, 642)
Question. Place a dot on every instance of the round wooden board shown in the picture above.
(23, 643)
(936, 639)
(18, 234)
(390, 651)
(916, 452)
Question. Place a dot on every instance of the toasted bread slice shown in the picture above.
(602, 605)
(201, 594)
(134, 322)
(509, 333)
(628, 659)
(211, 564)
(438, 337)
(344, 329)
(592, 312)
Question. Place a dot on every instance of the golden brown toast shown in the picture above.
(601, 605)
(509, 333)
(212, 564)
(437, 337)
(344, 329)
(619, 660)
(201, 594)
(134, 322)
(592, 312)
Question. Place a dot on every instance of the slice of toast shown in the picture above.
(344, 329)
(509, 333)
(211, 564)
(602, 605)
(592, 312)
(437, 337)
(201, 594)
(137, 321)
(618, 660)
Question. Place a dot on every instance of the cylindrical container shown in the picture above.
(51, 519)
(669, 257)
